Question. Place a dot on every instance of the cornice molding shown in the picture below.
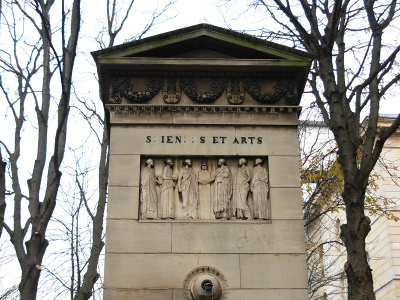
(137, 108)
(202, 74)
(207, 28)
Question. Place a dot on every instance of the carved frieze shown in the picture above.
(122, 87)
(282, 89)
(211, 92)
(171, 91)
(204, 90)
(196, 188)
(202, 109)
(235, 92)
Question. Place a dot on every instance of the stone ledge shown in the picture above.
(136, 108)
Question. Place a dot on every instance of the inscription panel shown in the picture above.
(203, 140)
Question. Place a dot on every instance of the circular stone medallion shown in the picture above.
(205, 283)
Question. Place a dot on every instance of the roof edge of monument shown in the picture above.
(207, 27)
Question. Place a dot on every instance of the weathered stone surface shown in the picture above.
(124, 170)
(286, 203)
(141, 118)
(130, 236)
(235, 118)
(277, 237)
(284, 171)
(275, 141)
(268, 294)
(264, 294)
(120, 294)
(123, 202)
(228, 118)
(164, 271)
(273, 271)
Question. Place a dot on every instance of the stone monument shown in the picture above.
(204, 187)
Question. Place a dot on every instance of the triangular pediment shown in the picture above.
(207, 54)
(203, 41)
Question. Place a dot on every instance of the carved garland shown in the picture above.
(122, 87)
(282, 88)
(217, 87)
(235, 91)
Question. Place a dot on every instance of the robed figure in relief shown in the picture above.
(188, 186)
(241, 187)
(167, 196)
(222, 190)
(148, 199)
(260, 188)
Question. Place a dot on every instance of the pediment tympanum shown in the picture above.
(202, 64)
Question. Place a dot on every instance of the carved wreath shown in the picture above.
(217, 88)
(282, 88)
(122, 87)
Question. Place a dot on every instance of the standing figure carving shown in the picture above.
(167, 197)
(188, 186)
(241, 187)
(222, 190)
(260, 189)
(205, 207)
(148, 199)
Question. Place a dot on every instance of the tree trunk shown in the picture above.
(30, 274)
(91, 275)
(2, 192)
(353, 234)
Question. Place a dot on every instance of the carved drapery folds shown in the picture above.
(205, 91)
(207, 189)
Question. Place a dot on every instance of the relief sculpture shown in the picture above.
(222, 190)
(167, 196)
(205, 192)
(188, 186)
(205, 90)
(123, 88)
(149, 197)
(260, 188)
(241, 186)
(230, 190)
